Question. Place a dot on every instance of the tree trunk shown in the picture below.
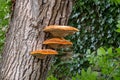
(25, 35)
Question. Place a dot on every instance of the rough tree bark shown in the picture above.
(25, 35)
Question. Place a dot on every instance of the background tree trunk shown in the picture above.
(25, 35)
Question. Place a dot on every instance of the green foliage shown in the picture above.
(51, 78)
(118, 26)
(116, 2)
(106, 62)
(86, 75)
(61, 69)
(96, 20)
(104, 65)
(4, 17)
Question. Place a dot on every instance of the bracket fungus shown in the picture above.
(43, 53)
(60, 31)
(57, 43)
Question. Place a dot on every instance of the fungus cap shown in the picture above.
(57, 43)
(44, 52)
(60, 31)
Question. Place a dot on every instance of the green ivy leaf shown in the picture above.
(109, 51)
(51, 78)
(89, 70)
(101, 51)
(118, 50)
(118, 30)
(118, 25)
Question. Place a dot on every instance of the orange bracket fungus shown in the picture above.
(43, 53)
(60, 31)
(56, 43)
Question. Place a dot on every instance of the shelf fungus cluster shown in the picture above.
(57, 41)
